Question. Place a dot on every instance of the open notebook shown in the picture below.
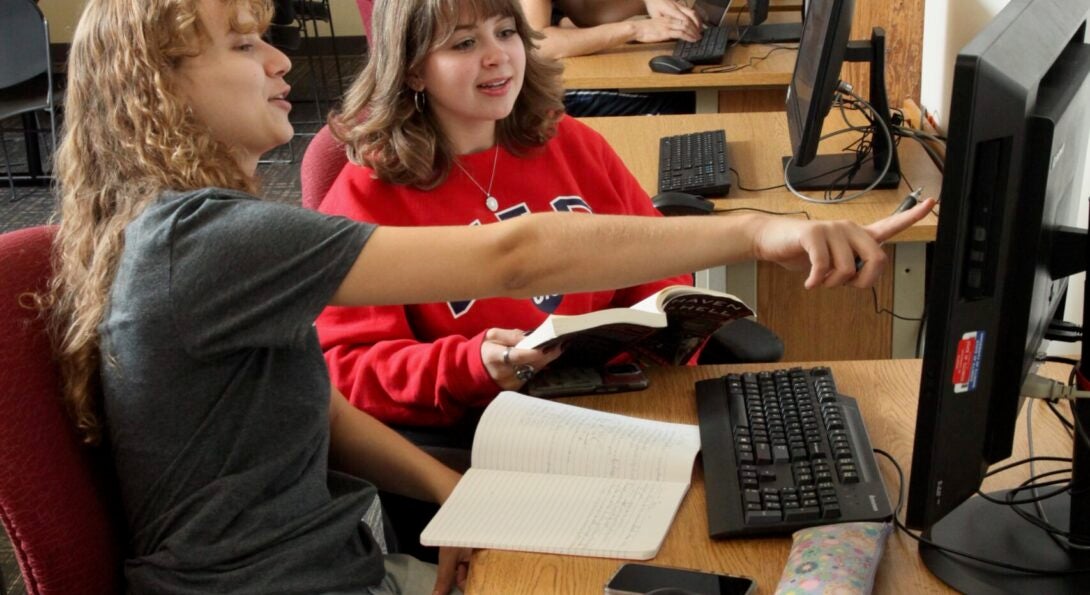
(549, 477)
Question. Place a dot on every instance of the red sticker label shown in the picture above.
(967, 361)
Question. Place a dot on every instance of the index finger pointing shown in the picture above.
(884, 229)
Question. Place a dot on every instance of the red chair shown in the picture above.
(322, 163)
(324, 157)
(58, 498)
(366, 6)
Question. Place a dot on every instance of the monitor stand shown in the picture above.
(767, 33)
(996, 532)
(827, 171)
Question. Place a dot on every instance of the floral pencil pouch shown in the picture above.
(839, 559)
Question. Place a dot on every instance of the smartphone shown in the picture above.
(586, 381)
(645, 579)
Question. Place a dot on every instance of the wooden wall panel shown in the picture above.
(825, 324)
(903, 23)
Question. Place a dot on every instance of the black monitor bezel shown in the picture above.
(806, 134)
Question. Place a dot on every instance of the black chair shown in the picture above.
(26, 83)
(742, 341)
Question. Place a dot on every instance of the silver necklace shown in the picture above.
(489, 200)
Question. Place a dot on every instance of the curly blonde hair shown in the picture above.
(379, 123)
(128, 137)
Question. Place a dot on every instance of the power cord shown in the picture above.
(877, 310)
(948, 550)
(753, 61)
(880, 122)
(755, 209)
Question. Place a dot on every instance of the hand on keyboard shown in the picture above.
(658, 29)
(673, 10)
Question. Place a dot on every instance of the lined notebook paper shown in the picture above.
(548, 477)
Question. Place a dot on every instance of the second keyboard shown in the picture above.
(709, 49)
(695, 163)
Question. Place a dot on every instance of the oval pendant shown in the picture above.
(492, 203)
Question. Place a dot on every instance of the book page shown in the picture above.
(584, 516)
(521, 433)
(614, 325)
(656, 301)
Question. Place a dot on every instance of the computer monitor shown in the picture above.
(1016, 149)
(758, 31)
(814, 86)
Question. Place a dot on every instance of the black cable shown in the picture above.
(1009, 500)
(753, 61)
(900, 481)
(877, 310)
(738, 183)
(920, 330)
(921, 539)
(1026, 461)
(738, 179)
(764, 211)
(1070, 427)
(1060, 360)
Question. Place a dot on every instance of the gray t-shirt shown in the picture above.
(217, 400)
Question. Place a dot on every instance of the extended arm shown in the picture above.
(562, 252)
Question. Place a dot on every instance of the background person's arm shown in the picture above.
(564, 42)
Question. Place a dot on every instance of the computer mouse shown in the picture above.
(670, 64)
(682, 203)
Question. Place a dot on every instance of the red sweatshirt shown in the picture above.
(421, 365)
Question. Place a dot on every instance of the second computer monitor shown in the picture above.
(811, 95)
(758, 31)
(817, 73)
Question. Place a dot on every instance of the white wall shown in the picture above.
(949, 25)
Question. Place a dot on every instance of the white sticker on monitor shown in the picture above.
(967, 361)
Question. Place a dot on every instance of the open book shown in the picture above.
(666, 327)
(549, 477)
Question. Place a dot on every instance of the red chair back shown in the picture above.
(58, 499)
(323, 161)
(366, 6)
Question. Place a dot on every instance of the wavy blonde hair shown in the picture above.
(128, 137)
(379, 123)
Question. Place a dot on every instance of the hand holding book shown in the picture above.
(666, 328)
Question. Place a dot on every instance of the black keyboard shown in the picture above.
(695, 163)
(709, 49)
(783, 450)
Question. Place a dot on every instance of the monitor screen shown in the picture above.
(817, 72)
(714, 12)
(758, 11)
(1016, 150)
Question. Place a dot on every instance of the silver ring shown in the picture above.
(524, 372)
(507, 356)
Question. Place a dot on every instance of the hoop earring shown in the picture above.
(420, 101)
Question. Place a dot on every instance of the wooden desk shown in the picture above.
(626, 68)
(886, 391)
(814, 324)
